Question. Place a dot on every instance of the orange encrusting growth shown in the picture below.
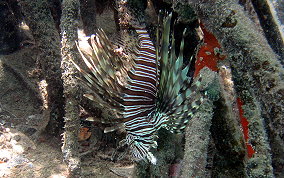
(206, 57)
(245, 123)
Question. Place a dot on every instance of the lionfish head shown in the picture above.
(137, 148)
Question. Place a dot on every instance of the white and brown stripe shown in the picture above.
(140, 98)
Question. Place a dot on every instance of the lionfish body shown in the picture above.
(157, 92)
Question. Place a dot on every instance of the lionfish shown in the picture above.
(157, 91)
